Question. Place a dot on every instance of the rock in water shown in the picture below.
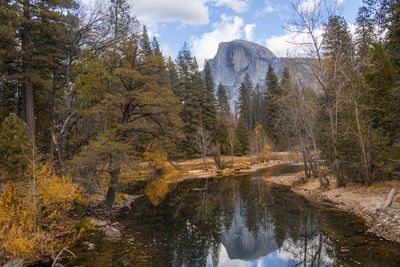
(89, 246)
(112, 232)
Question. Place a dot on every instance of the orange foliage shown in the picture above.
(265, 155)
(157, 157)
(156, 191)
(30, 228)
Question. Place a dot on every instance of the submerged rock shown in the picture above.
(124, 205)
(89, 246)
(112, 233)
(99, 223)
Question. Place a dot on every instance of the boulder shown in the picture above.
(89, 246)
(112, 233)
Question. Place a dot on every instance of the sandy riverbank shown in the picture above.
(234, 165)
(366, 202)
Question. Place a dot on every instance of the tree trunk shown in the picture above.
(57, 149)
(335, 151)
(109, 201)
(27, 71)
(63, 139)
(306, 172)
(68, 83)
(390, 198)
(364, 159)
(316, 156)
(53, 140)
(204, 160)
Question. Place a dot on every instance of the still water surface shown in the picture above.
(237, 221)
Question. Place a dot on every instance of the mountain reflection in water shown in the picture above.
(238, 221)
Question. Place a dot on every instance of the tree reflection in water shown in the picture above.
(244, 221)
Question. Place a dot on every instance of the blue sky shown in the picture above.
(203, 24)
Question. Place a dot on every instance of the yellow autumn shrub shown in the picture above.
(265, 153)
(157, 157)
(34, 216)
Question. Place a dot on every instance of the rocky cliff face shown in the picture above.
(236, 58)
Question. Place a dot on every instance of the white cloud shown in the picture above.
(249, 31)
(308, 4)
(293, 43)
(268, 8)
(150, 12)
(279, 45)
(186, 12)
(193, 12)
(237, 5)
(227, 29)
(298, 43)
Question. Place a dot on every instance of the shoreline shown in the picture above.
(364, 201)
(192, 169)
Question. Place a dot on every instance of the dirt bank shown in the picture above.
(366, 202)
(234, 165)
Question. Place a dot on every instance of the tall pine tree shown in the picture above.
(209, 110)
(223, 101)
(273, 95)
(245, 90)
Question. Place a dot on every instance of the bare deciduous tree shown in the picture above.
(203, 140)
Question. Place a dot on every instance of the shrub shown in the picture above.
(15, 145)
(265, 154)
(33, 219)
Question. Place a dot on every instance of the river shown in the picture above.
(236, 221)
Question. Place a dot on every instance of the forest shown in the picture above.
(87, 95)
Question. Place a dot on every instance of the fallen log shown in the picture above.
(389, 198)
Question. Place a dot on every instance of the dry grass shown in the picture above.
(197, 164)
(377, 187)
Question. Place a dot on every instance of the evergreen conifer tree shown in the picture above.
(209, 110)
(245, 89)
(273, 96)
(243, 139)
(223, 101)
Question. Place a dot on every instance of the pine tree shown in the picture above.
(15, 145)
(130, 90)
(173, 77)
(257, 109)
(156, 47)
(379, 98)
(365, 32)
(145, 43)
(245, 89)
(190, 93)
(380, 77)
(222, 136)
(223, 101)
(393, 34)
(273, 96)
(119, 21)
(8, 49)
(242, 145)
(208, 100)
(37, 29)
